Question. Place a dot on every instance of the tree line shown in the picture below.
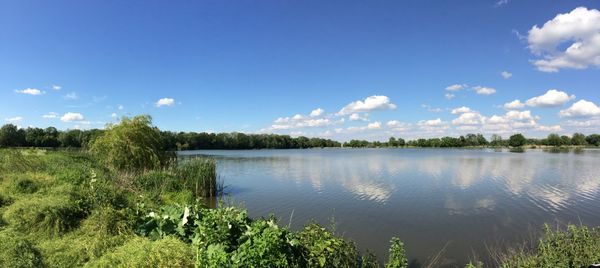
(478, 140)
(12, 136)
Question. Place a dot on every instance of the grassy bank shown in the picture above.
(64, 209)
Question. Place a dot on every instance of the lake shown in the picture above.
(460, 202)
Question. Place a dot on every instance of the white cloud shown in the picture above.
(506, 74)
(50, 115)
(484, 90)
(317, 112)
(449, 96)
(431, 123)
(372, 103)
(55, 87)
(30, 91)
(578, 29)
(120, 107)
(71, 96)
(398, 126)
(469, 118)
(15, 119)
(551, 98)
(461, 110)
(374, 125)
(554, 128)
(299, 121)
(514, 105)
(581, 108)
(165, 102)
(72, 117)
(358, 117)
(456, 87)
(113, 115)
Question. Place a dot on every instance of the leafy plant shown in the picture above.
(397, 257)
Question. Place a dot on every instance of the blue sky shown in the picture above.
(264, 66)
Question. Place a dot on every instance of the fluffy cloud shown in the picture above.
(551, 98)
(120, 107)
(514, 105)
(56, 87)
(50, 115)
(506, 75)
(581, 108)
(469, 118)
(554, 128)
(358, 117)
(30, 91)
(317, 112)
(72, 117)
(371, 103)
(165, 102)
(461, 110)
(299, 121)
(484, 90)
(15, 119)
(449, 96)
(456, 87)
(431, 109)
(374, 125)
(579, 29)
(397, 126)
(113, 115)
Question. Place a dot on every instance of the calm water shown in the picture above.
(463, 200)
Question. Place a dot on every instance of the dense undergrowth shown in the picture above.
(64, 209)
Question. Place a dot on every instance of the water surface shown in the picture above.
(463, 201)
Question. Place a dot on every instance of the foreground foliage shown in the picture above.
(63, 209)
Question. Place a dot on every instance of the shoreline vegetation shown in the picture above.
(12, 136)
(125, 201)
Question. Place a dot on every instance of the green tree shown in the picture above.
(516, 140)
(553, 140)
(496, 140)
(133, 144)
(578, 139)
(10, 136)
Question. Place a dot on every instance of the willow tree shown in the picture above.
(131, 145)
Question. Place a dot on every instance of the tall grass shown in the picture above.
(196, 175)
(200, 176)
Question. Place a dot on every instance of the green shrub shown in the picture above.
(142, 252)
(48, 214)
(220, 226)
(16, 251)
(264, 244)
(320, 248)
(397, 257)
(132, 145)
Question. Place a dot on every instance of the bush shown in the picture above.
(132, 145)
(221, 226)
(16, 251)
(142, 252)
(49, 214)
(264, 244)
(320, 248)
